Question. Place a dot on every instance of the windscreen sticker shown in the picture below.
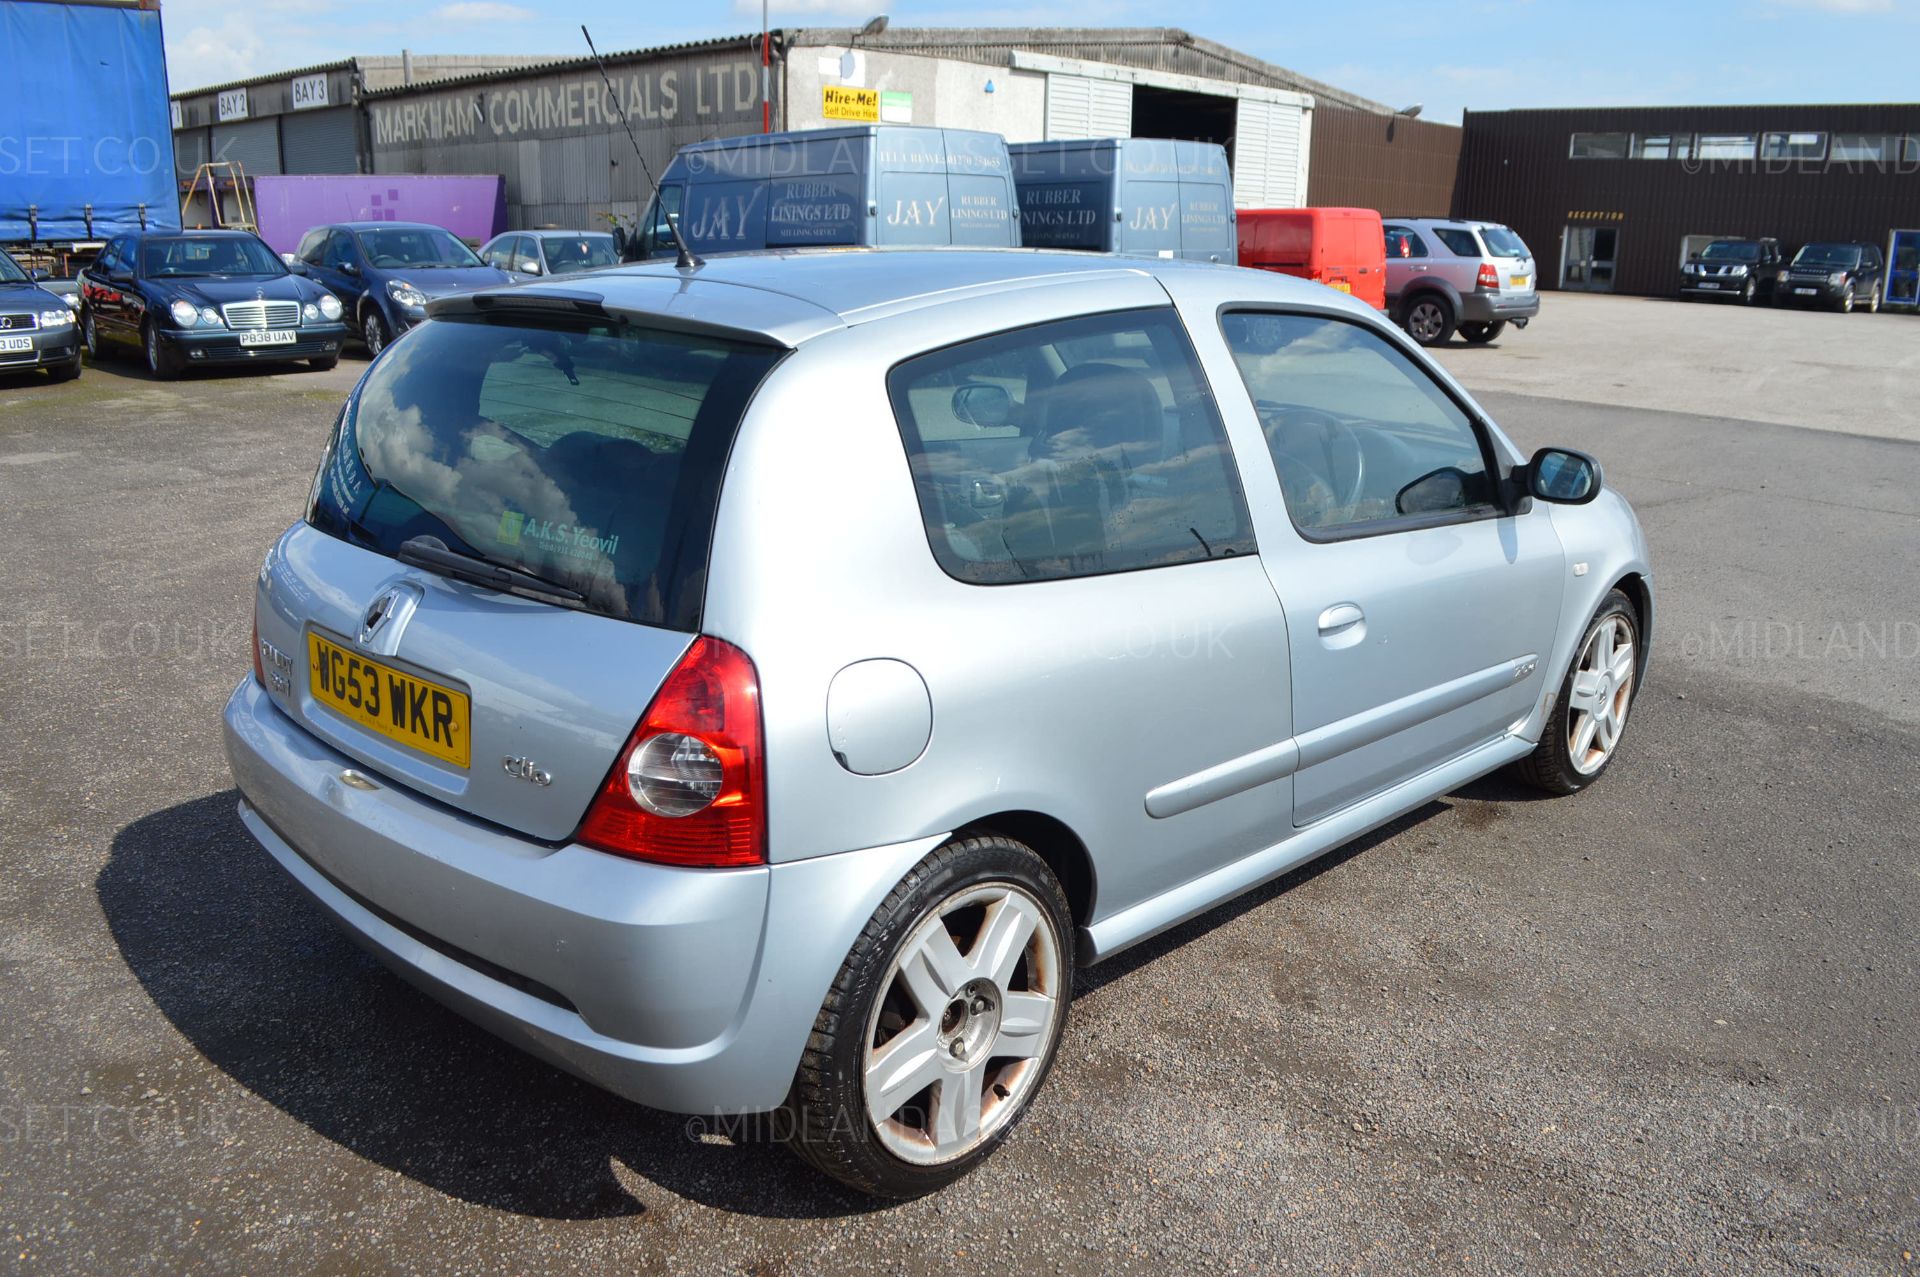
(559, 540)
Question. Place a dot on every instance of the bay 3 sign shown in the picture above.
(661, 97)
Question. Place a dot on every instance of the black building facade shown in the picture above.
(1614, 198)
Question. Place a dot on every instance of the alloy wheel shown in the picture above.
(1602, 694)
(374, 333)
(1846, 300)
(1426, 321)
(88, 336)
(958, 1039)
(153, 351)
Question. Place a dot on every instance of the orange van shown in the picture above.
(1343, 248)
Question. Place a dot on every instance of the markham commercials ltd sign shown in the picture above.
(667, 96)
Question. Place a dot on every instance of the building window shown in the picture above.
(1600, 146)
(1653, 146)
(1724, 146)
(1794, 146)
(1864, 148)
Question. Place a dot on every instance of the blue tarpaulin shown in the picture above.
(84, 121)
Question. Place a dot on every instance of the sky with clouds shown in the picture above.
(1449, 55)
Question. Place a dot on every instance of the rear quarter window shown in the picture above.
(1461, 243)
(1077, 448)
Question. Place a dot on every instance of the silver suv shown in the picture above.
(762, 685)
(1443, 275)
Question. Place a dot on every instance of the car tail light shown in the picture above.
(1489, 276)
(690, 787)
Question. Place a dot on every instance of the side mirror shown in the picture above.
(1563, 476)
(348, 268)
(984, 405)
(39, 273)
(528, 266)
(294, 264)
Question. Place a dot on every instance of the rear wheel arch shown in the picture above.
(1056, 843)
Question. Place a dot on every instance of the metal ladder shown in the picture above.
(205, 178)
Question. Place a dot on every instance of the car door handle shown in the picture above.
(1340, 618)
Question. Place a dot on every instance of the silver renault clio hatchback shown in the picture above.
(761, 686)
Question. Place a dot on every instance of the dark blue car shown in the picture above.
(36, 328)
(199, 298)
(384, 272)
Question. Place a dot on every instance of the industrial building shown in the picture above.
(1614, 199)
(553, 131)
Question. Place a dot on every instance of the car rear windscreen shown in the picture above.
(589, 455)
(1502, 242)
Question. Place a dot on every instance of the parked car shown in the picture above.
(1837, 275)
(1342, 248)
(1199, 573)
(36, 327)
(1743, 269)
(531, 254)
(201, 298)
(384, 273)
(1476, 277)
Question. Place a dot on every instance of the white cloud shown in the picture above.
(483, 11)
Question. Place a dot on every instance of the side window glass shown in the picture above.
(338, 250)
(1360, 435)
(1402, 242)
(1460, 243)
(1069, 449)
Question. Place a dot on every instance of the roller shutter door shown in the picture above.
(254, 143)
(1270, 155)
(1078, 106)
(189, 151)
(319, 141)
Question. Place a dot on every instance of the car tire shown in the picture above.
(1845, 304)
(373, 333)
(325, 363)
(1579, 744)
(64, 372)
(1480, 334)
(1429, 319)
(1873, 302)
(1749, 293)
(159, 363)
(88, 337)
(971, 952)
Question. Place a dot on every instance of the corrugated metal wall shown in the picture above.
(554, 137)
(1270, 155)
(1402, 167)
(1078, 106)
(1515, 168)
(321, 141)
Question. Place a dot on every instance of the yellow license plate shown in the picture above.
(1343, 286)
(417, 713)
(1519, 281)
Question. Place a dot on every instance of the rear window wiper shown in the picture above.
(432, 552)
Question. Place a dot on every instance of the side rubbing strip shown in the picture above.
(1323, 744)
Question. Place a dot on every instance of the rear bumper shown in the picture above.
(691, 990)
(222, 346)
(1487, 308)
(51, 347)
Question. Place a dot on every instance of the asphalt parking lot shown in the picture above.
(1663, 1026)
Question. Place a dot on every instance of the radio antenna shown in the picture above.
(684, 259)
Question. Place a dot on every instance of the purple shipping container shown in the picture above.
(474, 208)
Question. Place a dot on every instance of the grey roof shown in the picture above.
(1150, 48)
(551, 65)
(794, 295)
